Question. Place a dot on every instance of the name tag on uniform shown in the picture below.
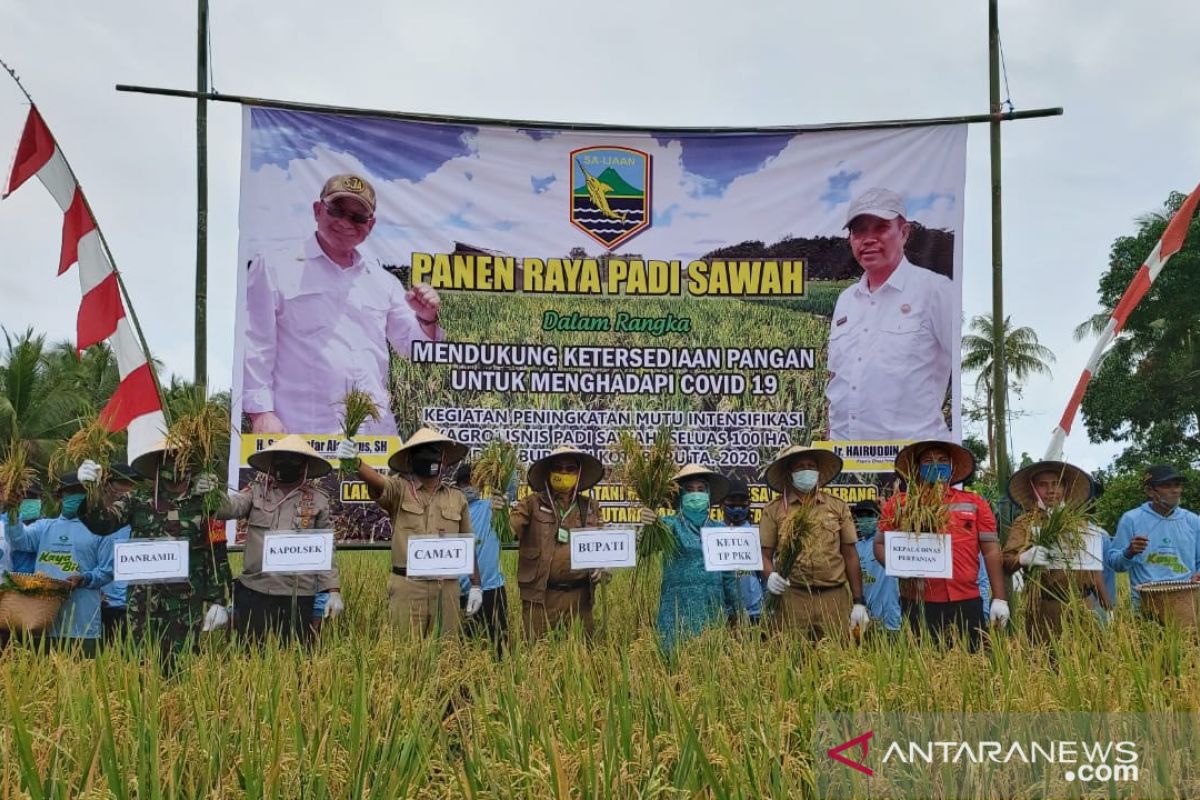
(433, 557)
(151, 561)
(731, 549)
(918, 555)
(606, 548)
(298, 551)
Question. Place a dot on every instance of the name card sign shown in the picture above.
(918, 555)
(432, 557)
(298, 551)
(151, 561)
(1088, 558)
(603, 548)
(729, 549)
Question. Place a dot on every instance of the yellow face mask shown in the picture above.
(563, 481)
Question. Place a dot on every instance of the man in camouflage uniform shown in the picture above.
(169, 504)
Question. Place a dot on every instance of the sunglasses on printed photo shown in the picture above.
(340, 213)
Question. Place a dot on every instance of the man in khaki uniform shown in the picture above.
(813, 596)
(1038, 488)
(421, 505)
(284, 498)
(553, 594)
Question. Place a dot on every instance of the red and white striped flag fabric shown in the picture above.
(1168, 245)
(135, 405)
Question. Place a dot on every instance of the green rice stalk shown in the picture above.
(494, 471)
(1061, 529)
(649, 473)
(357, 408)
(794, 535)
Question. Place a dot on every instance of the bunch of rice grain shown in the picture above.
(492, 474)
(357, 408)
(195, 440)
(92, 442)
(649, 473)
(794, 534)
(16, 475)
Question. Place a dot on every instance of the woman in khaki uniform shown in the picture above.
(813, 597)
(553, 594)
(421, 505)
(1036, 488)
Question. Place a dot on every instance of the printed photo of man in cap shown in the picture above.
(891, 342)
(319, 319)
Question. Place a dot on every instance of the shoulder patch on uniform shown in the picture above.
(841, 321)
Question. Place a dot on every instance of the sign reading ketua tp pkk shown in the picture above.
(607, 548)
(918, 555)
(433, 557)
(728, 549)
(151, 561)
(298, 551)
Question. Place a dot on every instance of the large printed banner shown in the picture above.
(553, 287)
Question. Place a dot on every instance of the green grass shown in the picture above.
(368, 715)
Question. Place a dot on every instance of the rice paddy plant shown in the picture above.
(196, 440)
(794, 533)
(357, 408)
(16, 474)
(92, 442)
(492, 474)
(648, 472)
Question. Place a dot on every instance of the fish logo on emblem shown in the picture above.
(610, 194)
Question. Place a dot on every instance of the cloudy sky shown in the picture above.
(1125, 74)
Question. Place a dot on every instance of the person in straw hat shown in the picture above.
(813, 594)
(420, 504)
(954, 604)
(284, 497)
(1159, 540)
(1038, 488)
(170, 503)
(553, 594)
(692, 599)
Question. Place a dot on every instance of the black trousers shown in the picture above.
(113, 623)
(491, 619)
(946, 620)
(255, 615)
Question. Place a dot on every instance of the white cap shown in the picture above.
(882, 203)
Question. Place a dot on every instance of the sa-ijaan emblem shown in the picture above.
(610, 193)
(352, 184)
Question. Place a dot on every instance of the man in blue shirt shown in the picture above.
(881, 590)
(492, 618)
(65, 549)
(1158, 540)
(735, 511)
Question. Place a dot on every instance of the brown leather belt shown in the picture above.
(569, 586)
(817, 589)
(401, 571)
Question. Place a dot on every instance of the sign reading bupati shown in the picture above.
(607, 548)
(918, 555)
(298, 551)
(554, 286)
(727, 549)
(434, 557)
(151, 561)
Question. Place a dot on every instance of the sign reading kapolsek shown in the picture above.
(151, 561)
(727, 549)
(298, 551)
(607, 548)
(918, 555)
(434, 557)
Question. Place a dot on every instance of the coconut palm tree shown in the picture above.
(1024, 356)
(39, 406)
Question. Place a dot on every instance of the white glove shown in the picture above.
(777, 584)
(334, 605)
(1036, 556)
(474, 601)
(859, 618)
(215, 617)
(88, 472)
(347, 450)
(205, 482)
(601, 575)
(999, 613)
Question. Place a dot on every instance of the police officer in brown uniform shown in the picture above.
(553, 594)
(284, 498)
(1037, 489)
(421, 505)
(813, 596)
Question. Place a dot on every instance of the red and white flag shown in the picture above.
(135, 405)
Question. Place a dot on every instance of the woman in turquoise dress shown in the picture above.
(692, 599)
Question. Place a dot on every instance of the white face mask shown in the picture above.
(805, 480)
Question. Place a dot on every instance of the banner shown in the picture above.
(554, 286)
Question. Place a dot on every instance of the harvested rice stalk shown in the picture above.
(92, 442)
(357, 408)
(16, 476)
(794, 535)
(922, 509)
(194, 441)
(492, 474)
(648, 472)
(38, 584)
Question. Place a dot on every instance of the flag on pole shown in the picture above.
(1167, 246)
(135, 405)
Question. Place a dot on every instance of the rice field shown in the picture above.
(366, 715)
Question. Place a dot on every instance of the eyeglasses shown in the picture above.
(340, 213)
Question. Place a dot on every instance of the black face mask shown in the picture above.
(736, 515)
(288, 471)
(426, 466)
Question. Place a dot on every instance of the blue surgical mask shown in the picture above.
(866, 526)
(71, 504)
(737, 515)
(30, 509)
(694, 506)
(805, 480)
(935, 473)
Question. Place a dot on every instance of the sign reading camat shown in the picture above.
(607, 548)
(151, 561)
(727, 549)
(433, 557)
(918, 555)
(298, 551)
